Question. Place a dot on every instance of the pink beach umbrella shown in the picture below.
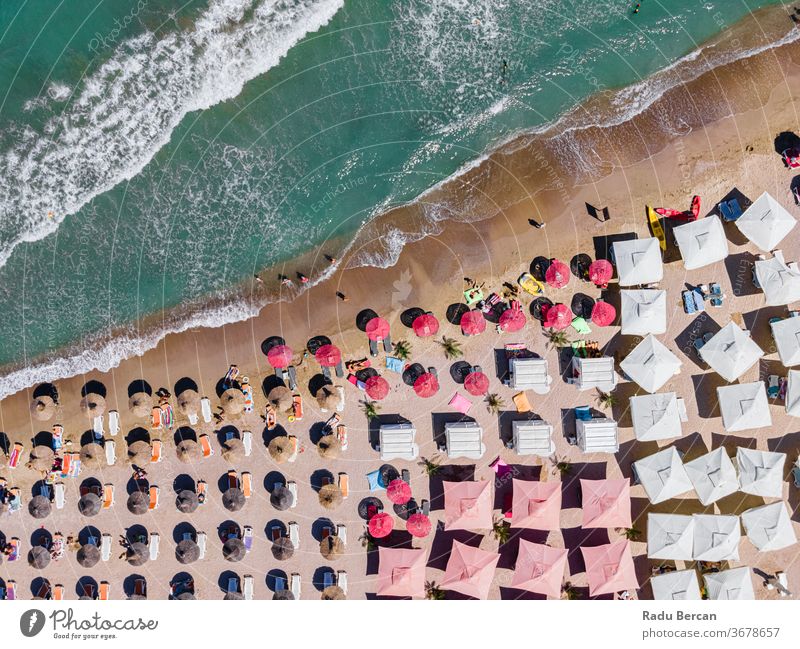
(600, 272)
(280, 356)
(418, 525)
(426, 385)
(476, 383)
(469, 570)
(609, 568)
(603, 313)
(398, 491)
(606, 503)
(472, 323)
(425, 325)
(380, 525)
(401, 572)
(377, 387)
(512, 319)
(557, 274)
(558, 316)
(328, 356)
(377, 329)
(540, 568)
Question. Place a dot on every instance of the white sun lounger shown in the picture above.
(340, 405)
(341, 532)
(341, 580)
(105, 546)
(247, 586)
(247, 442)
(201, 544)
(205, 408)
(111, 452)
(292, 487)
(192, 416)
(113, 422)
(58, 490)
(97, 425)
(294, 534)
(294, 585)
(155, 540)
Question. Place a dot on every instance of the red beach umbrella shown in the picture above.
(472, 323)
(603, 313)
(377, 329)
(377, 387)
(476, 383)
(559, 316)
(280, 356)
(418, 525)
(425, 325)
(600, 272)
(426, 385)
(328, 356)
(557, 274)
(398, 491)
(380, 525)
(512, 319)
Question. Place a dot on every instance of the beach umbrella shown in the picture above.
(281, 398)
(512, 319)
(380, 525)
(600, 272)
(476, 383)
(90, 504)
(39, 507)
(283, 548)
(187, 501)
(398, 491)
(473, 323)
(328, 356)
(140, 404)
(233, 499)
(138, 503)
(187, 551)
(425, 325)
(232, 401)
(418, 525)
(43, 408)
(540, 307)
(140, 453)
(558, 317)
(281, 498)
(91, 455)
(186, 596)
(603, 313)
(557, 274)
(93, 405)
(280, 356)
(377, 387)
(88, 555)
(232, 595)
(39, 557)
(426, 385)
(582, 305)
(330, 496)
(188, 402)
(233, 450)
(333, 592)
(377, 329)
(188, 450)
(280, 449)
(42, 458)
(331, 547)
(234, 550)
(327, 398)
(137, 554)
(329, 447)
(283, 594)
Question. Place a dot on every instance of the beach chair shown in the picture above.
(58, 437)
(247, 442)
(271, 417)
(201, 491)
(405, 476)
(340, 404)
(88, 591)
(110, 447)
(16, 454)
(292, 487)
(247, 484)
(44, 591)
(292, 377)
(16, 547)
(247, 537)
(341, 532)
(387, 344)
(205, 445)
(153, 498)
(155, 418)
(97, 426)
(373, 347)
(341, 435)
(103, 593)
(11, 589)
(327, 579)
(247, 391)
(58, 592)
(294, 585)
(716, 295)
(295, 448)
(247, 586)
(108, 495)
(688, 302)
(344, 484)
(15, 501)
(113, 422)
(326, 532)
(155, 542)
(201, 544)
(233, 479)
(341, 580)
(275, 533)
(326, 372)
(233, 585)
(105, 546)
(297, 407)
(140, 588)
(157, 448)
(60, 496)
(294, 534)
(425, 507)
(205, 409)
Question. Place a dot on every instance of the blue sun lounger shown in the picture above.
(688, 302)
(716, 294)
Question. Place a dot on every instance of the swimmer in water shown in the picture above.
(503, 72)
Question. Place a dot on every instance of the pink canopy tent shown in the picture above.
(380, 525)
(377, 387)
(609, 568)
(557, 274)
(418, 525)
(558, 316)
(469, 570)
(536, 505)
(425, 325)
(540, 569)
(377, 329)
(603, 313)
(476, 383)
(472, 323)
(468, 505)
(328, 356)
(280, 356)
(600, 272)
(398, 491)
(401, 572)
(606, 503)
(426, 385)
(512, 319)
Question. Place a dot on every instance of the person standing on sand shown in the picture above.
(331, 260)
(258, 279)
(342, 296)
(536, 224)
(303, 279)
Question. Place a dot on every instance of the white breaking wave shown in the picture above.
(125, 112)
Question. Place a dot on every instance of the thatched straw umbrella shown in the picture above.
(93, 405)
(329, 447)
(41, 458)
(188, 450)
(189, 402)
(232, 401)
(91, 455)
(330, 496)
(88, 555)
(39, 557)
(43, 408)
(281, 398)
(327, 397)
(331, 547)
(187, 551)
(283, 548)
(281, 498)
(140, 404)
(140, 453)
(280, 449)
(187, 501)
(138, 597)
(283, 594)
(233, 450)
(233, 550)
(39, 507)
(231, 595)
(138, 503)
(137, 554)
(233, 499)
(186, 596)
(89, 504)
(333, 592)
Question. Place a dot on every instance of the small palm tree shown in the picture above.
(568, 591)
(451, 347)
(370, 409)
(402, 350)
(557, 338)
(562, 466)
(430, 467)
(494, 403)
(432, 591)
(501, 529)
(606, 399)
(631, 533)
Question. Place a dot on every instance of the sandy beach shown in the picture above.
(709, 153)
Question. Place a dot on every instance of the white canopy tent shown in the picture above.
(670, 537)
(786, 333)
(643, 311)
(591, 373)
(529, 374)
(464, 439)
(736, 583)
(638, 261)
(766, 222)
(716, 538)
(651, 364)
(397, 441)
(744, 406)
(701, 242)
(761, 472)
(769, 527)
(597, 435)
(655, 416)
(779, 281)
(731, 352)
(713, 476)
(533, 437)
(793, 394)
(677, 585)
(662, 475)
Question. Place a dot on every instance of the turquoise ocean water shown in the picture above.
(155, 154)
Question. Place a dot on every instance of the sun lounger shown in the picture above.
(104, 588)
(405, 475)
(247, 537)
(88, 591)
(155, 418)
(58, 437)
(341, 435)
(97, 426)
(155, 542)
(140, 588)
(15, 501)
(344, 484)
(247, 586)
(233, 479)
(292, 377)
(326, 372)
(294, 534)
(60, 497)
(292, 487)
(105, 546)
(58, 592)
(716, 294)
(11, 589)
(521, 402)
(205, 445)
(275, 533)
(341, 532)
(730, 210)
(44, 590)
(373, 347)
(233, 585)
(16, 547)
(387, 344)
(341, 580)
(326, 531)
(296, 448)
(108, 495)
(327, 579)
(113, 422)
(201, 491)
(297, 407)
(247, 391)
(247, 484)
(192, 417)
(153, 498)
(247, 442)
(16, 454)
(205, 409)
(157, 448)
(201, 544)
(425, 507)
(688, 302)
(294, 585)
(110, 447)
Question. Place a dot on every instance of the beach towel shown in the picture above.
(521, 402)
(394, 364)
(167, 416)
(247, 390)
(205, 408)
(460, 403)
(580, 325)
(375, 480)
